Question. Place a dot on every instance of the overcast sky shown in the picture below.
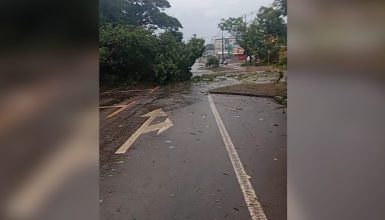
(202, 16)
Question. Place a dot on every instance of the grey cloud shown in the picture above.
(202, 16)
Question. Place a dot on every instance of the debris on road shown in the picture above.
(170, 161)
(269, 90)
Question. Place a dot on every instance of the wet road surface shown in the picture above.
(185, 172)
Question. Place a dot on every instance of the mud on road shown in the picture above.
(185, 173)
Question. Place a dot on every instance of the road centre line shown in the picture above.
(251, 199)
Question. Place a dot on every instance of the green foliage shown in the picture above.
(282, 100)
(264, 36)
(236, 27)
(212, 62)
(195, 49)
(145, 13)
(168, 59)
(281, 6)
(130, 51)
(126, 53)
(134, 54)
(175, 58)
(270, 23)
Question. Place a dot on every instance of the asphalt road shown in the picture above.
(185, 172)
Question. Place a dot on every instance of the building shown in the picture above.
(229, 43)
(231, 49)
(209, 50)
(238, 54)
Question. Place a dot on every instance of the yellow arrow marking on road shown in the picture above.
(146, 127)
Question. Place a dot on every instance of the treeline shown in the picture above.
(138, 42)
(264, 36)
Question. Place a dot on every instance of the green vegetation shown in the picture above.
(281, 100)
(212, 62)
(138, 42)
(265, 35)
(204, 77)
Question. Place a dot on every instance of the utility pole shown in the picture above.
(223, 48)
(245, 23)
(247, 46)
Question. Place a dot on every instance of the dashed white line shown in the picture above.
(251, 199)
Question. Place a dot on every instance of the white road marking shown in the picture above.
(146, 127)
(160, 127)
(110, 91)
(112, 106)
(154, 89)
(251, 199)
(121, 109)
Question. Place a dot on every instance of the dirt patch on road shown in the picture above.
(261, 90)
(221, 69)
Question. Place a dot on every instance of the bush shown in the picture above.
(212, 62)
(133, 54)
(126, 54)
